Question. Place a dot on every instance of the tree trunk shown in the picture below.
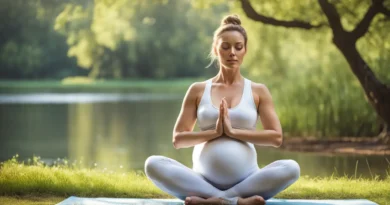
(377, 93)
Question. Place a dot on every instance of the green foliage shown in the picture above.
(94, 32)
(118, 39)
(109, 39)
(29, 48)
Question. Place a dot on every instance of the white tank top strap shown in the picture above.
(248, 93)
(205, 99)
(208, 91)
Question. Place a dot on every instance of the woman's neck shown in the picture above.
(228, 76)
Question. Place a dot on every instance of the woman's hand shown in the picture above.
(219, 124)
(227, 126)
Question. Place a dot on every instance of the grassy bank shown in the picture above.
(36, 183)
(31, 200)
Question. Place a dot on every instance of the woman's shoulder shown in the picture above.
(197, 88)
(260, 91)
(258, 87)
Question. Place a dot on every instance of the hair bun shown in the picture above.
(231, 19)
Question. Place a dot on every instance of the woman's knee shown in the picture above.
(293, 169)
(153, 165)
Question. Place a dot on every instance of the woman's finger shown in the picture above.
(225, 106)
(221, 112)
(227, 110)
(222, 108)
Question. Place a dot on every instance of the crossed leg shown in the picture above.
(268, 181)
(178, 180)
(181, 181)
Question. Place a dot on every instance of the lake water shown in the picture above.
(119, 131)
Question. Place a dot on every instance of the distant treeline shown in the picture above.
(105, 39)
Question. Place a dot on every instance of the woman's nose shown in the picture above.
(232, 53)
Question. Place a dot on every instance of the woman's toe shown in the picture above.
(187, 201)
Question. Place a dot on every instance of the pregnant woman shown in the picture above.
(227, 107)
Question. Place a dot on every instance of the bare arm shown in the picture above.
(272, 133)
(183, 135)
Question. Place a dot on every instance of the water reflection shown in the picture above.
(120, 135)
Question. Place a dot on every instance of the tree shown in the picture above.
(377, 93)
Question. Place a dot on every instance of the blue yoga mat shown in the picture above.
(122, 201)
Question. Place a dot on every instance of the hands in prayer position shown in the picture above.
(223, 125)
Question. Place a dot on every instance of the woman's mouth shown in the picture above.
(231, 61)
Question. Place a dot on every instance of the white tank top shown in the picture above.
(242, 116)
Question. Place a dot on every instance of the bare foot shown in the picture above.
(210, 201)
(194, 200)
(253, 200)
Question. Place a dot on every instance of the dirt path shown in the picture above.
(345, 145)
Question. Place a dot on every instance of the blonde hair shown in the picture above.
(228, 23)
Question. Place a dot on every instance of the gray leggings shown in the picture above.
(180, 181)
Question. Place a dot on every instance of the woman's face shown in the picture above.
(230, 49)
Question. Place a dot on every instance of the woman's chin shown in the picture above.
(231, 66)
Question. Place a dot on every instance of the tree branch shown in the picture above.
(252, 14)
(384, 11)
(332, 15)
(375, 8)
(347, 9)
(364, 24)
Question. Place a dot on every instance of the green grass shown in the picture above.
(37, 184)
(17, 178)
(31, 200)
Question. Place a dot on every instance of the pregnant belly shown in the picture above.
(225, 161)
